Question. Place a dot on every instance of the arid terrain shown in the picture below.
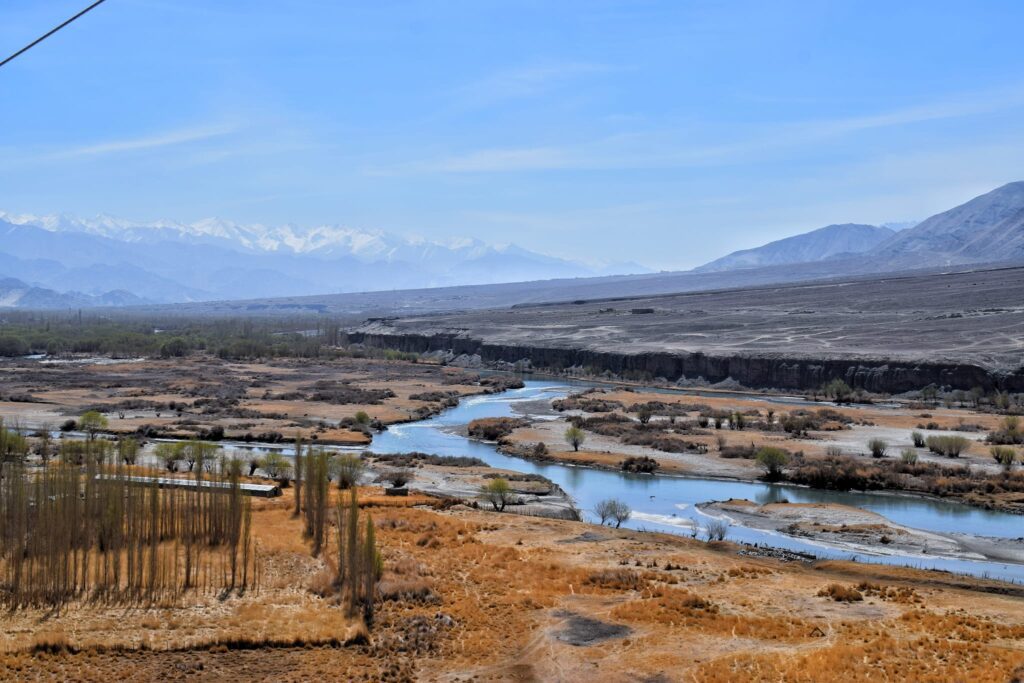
(890, 334)
(273, 400)
(467, 593)
(471, 595)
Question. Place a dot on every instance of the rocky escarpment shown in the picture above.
(750, 370)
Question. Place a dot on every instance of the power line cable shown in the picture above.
(50, 33)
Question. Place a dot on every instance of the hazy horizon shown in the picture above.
(690, 130)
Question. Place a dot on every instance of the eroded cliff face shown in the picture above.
(750, 370)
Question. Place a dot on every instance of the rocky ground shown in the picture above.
(887, 334)
(861, 531)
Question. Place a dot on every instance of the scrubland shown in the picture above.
(470, 595)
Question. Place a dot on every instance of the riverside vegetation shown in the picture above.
(453, 590)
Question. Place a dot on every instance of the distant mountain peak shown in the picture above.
(824, 243)
(988, 228)
(166, 261)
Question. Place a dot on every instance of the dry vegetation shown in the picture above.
(338, 401)
(72, 533)
(832, 447)
(469, 595)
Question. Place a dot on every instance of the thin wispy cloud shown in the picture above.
(527, 81)
(674, 149)
(169, 138)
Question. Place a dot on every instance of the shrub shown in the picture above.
(641, 464)
(909, 456)
(877, 448)
(1004, 455)
(949, 446)
(493, 428)
(1009, 433)
(838, 390)
(772, 460)
(415, 459)
(840, 593)
(716, 529)
(644, 414)
(407, 590)
(620, 579)
(397, 477)
(918, 438)
(347, 469)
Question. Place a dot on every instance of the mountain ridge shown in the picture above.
(169, 262)
(831, 241)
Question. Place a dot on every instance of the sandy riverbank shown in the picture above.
(861, 531)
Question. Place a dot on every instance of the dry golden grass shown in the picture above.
(486, 594)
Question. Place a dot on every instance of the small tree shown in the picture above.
(498, 493)
(128, 450)
(362, 418)
(644, 414)
(92, 423)
(575, 437)
(620, 513)
(347, 469)
(1005, 456)
(838, 390)
(44, 443)
(737, 421)
(976, 395)
(254, 464)
(772, 460)
(169, 453)
(276, 466)
(716, 529)
(918, 439)
(198, 452)
(604, 510)
(878, 447)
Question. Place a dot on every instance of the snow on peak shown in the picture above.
(322, 240)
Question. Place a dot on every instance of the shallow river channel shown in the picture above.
(667, 503)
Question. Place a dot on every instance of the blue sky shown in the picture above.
(666, 133)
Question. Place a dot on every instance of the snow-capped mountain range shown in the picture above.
(324, 240)
(166, 261)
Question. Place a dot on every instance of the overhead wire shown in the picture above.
(51, 32)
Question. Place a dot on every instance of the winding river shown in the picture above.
(668, 503)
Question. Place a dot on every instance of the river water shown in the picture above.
(668, 503)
